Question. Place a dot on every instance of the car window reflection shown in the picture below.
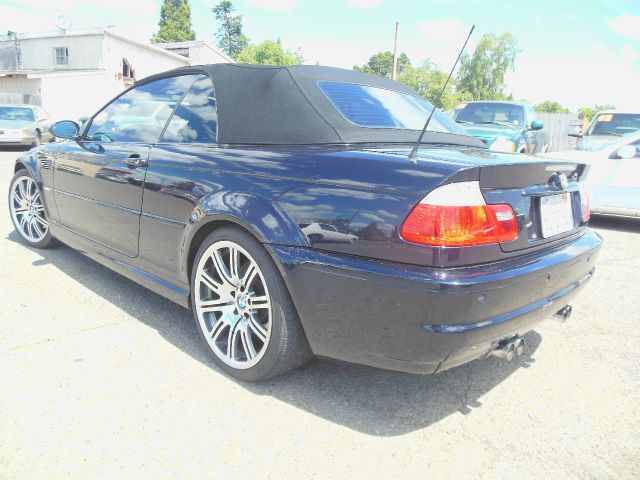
(140, 114)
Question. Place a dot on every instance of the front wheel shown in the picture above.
(27, 211)
(243, 309)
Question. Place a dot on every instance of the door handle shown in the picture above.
(134, 161)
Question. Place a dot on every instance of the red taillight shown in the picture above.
(584, 204)
(438, 221)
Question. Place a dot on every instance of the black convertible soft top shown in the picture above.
(274, 105)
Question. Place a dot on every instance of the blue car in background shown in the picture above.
(504, 126)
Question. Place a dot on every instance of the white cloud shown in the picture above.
(34, 16)
(576, 81)
(630, 53)
(626, 25)
(602, 50)
(443, 41)
(364, 3)
(277, 5)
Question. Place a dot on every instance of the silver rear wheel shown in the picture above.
(233, 305)
(27, 210)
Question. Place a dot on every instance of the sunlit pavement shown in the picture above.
(103, 379)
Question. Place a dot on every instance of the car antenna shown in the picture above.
(414, 150)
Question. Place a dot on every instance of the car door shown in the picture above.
(174, 183)
(531, 135)
(620, 185)
(99, 178)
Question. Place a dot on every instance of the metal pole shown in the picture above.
(394, 73)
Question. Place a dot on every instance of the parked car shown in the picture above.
(604, 127)
(459, 251)
(23, 125)
(504, 126)
(614, 175)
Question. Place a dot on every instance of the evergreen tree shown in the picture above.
(175, 22)
(231, 40)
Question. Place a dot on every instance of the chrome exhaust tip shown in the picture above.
(563, 314)
(509, 349)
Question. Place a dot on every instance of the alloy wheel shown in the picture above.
(232, 304)
(27, 209)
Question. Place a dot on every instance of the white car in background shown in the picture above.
(605, 127)
(614, 175)
(322, 232)
(24, 125)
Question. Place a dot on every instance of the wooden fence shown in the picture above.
(557, 125)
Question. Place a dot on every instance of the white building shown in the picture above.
(198, 51)
(73, 73)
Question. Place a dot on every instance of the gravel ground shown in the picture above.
(103, 379)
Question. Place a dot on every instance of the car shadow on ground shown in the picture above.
(372, 401)
(8, 148)
(619, 224)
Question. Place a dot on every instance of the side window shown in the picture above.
(195, 120)
(140, 114)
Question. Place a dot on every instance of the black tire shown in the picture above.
(38, 140)
(47, 240)
(287, 347)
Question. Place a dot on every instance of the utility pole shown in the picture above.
(394, 72)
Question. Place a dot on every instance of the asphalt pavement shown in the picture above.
(102, 378)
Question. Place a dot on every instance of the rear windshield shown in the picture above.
(16, 113)
(490, 112)
(374, 107)
(615, 124)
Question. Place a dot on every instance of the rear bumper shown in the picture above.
(424, 320)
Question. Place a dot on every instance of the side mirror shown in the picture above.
(575, 131)
(66, 129)
(537, 125)
(628, 151)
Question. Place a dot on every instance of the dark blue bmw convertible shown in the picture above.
(281, 205)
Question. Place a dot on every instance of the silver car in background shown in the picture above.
(24, 125)
(614, 175)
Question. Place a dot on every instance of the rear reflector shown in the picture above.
(441, 219)
(585, 207)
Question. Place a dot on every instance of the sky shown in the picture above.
(576, 52)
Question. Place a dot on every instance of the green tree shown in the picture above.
(267, 53)
(428, 81)
(231, 40)
(175, 22)
(381, 64)
(482, 73)
(550, 107)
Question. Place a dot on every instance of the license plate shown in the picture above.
(556, 214)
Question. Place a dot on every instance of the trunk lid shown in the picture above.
(544, 193)
(545, 196)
